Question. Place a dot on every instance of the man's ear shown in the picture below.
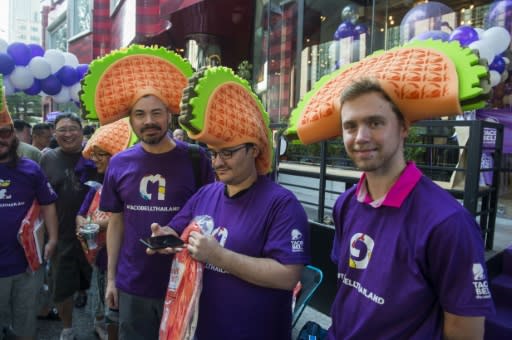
(255, 151)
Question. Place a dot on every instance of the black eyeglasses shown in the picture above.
(227, 153)
(6, 133)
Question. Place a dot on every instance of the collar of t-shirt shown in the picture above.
(398, 192)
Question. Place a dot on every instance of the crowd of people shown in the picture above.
(393, 253)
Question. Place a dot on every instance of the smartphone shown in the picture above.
(162, 241)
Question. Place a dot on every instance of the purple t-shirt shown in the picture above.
(148, 188)
(18, 188)
(405, 259)
(265, 221)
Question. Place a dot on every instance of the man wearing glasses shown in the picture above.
(21, 182)
(68, 171)
(260, 240)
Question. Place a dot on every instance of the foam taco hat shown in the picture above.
(220, 109)
(425, 79)
(116, 81)
(5, 116)
(112, 138)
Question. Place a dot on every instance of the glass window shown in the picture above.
(59, 37)
(81, 16)
(300, 41)
(113, 5)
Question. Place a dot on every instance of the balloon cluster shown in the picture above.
(349, 26)
(492, 44)
(28, 68)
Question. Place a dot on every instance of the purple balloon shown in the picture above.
(500, 14)
(67, 75)
(6, 64)
(20, 53)
(345, 29)
(34, 89)
(498, 64)
(36, 50)
(465, 35)
(431, 9)
(361, 29)
(82, 69)
(51, 85)
(434, 35)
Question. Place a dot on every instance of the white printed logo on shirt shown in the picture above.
(4, 195)
(143, 187)
(480, 283)
(361, 248)
(297, 241)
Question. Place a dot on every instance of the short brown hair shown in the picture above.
(365, 86)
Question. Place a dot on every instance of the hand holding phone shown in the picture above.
(162, 241)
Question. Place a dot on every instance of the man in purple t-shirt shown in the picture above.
(410, 259)
(148, 182)
(260, 240)
(21, 182)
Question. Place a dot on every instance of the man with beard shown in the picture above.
(402, 243)
(149, 182)
(68, 171)
(21, 182)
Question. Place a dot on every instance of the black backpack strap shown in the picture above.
(193, 151)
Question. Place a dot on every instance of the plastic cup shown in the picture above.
(89, 233)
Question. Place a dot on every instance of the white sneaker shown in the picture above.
(67, 334)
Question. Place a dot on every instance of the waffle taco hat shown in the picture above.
(116, 81)
(425, 79)
(112, 138)
(220, 109)
(5, 116)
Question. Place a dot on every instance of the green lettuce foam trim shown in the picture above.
(99, 66)
(293, 122)
(208, 84)
(466, 63)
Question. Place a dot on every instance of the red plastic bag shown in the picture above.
(181, 307)
(31, 236)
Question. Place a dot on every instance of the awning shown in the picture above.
(171, 6)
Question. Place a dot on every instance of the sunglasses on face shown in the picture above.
(6, 133)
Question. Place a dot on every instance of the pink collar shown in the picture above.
(398, 192)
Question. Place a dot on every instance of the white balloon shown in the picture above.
(3, 46)
(55, 58)
(507, 61)
(63, 96)
(75, 91)
(9, 89)
(498, 38)
(70, 59)
(40, 68)
(21, 78)
(484, 50)
(504, 76)
(495, 77)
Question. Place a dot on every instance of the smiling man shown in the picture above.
(150, 181)
(410, 258)
(67, 171)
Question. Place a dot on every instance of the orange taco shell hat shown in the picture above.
(116, 81)
(5, 116)
(112, 138)
(220, 109)
(425, 79)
